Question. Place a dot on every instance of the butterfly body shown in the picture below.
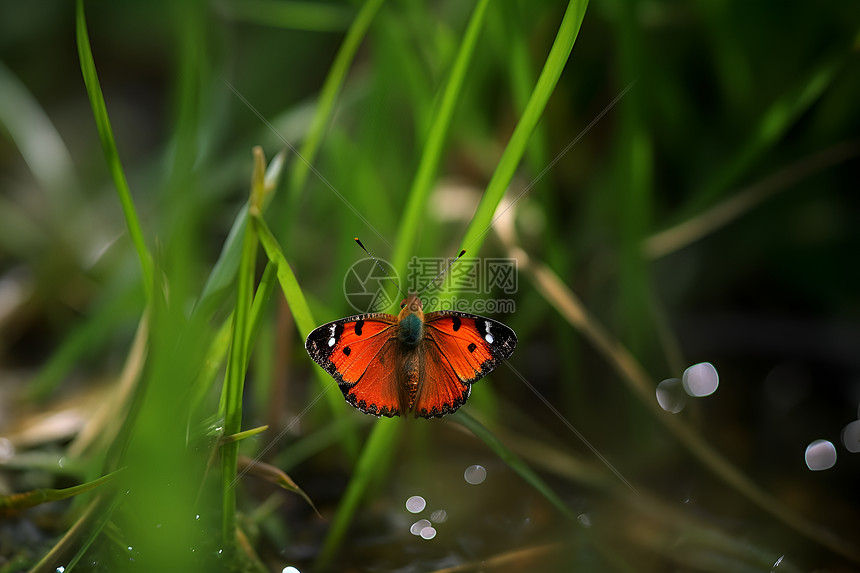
(416, 363)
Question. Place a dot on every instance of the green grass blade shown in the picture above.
(775, 122)
(512, 460)
(555, 62)
(292, 291)
(94, 92)
(295, 298)
(35, 497)
(234, 380)
(224, 271)
(310, 16)
(404, 246)
(331, 88)
(378, 447)
(37, 139)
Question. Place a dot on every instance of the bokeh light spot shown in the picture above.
(290, 569)
(851, 436)
(584, 519)
(418, 526)
(428, 533)
(415, 504)
(671, 396)
(820, 455)
(439, 516)
(475, 474)
(701, 379)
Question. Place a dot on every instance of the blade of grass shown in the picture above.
(310, 16)
(35, 497)
(378, 447)
(234, 381)
(422, 183)
(94, 92)
(695, 228)
(295, 298)
(513, 153)
(37, 140)
(775, 122)
(512, 460)
(640, 384)
(330, 90)
(225, 267)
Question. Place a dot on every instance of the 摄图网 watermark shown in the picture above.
(368, 286)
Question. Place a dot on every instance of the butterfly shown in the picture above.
(424, 364)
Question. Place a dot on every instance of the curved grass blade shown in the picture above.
(37, 140)
(19, 501)
(775, 122)
(404, 246)
(555, 62)
(309, 16)
(512, 460)
(378, 447)
(295, 297)
(330, 90)
(224, 270)
(94, 92)
(234, 381)
(640, 384)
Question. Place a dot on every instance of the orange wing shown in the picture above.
(459, 349)
(360, 353)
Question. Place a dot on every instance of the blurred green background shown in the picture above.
(689, 194)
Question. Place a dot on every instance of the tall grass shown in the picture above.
(714, 186)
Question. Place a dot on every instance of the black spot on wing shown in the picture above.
(358, 326)
(472, 347)
(456, 323)
(347, 350)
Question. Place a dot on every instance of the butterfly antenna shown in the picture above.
(445, 270)
(391, 280)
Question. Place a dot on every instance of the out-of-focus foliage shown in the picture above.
(688, 195)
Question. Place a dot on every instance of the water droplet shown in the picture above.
(670, 395)
(418, 526)
(290, 569)
(820, 455)
(60, 569)
(428, 533)
(439, 516)
(701, 379)
(584, 519)
(851, 436)
(415, 504)
(475, 474)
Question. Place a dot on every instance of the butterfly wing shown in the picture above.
(359, 352)
(460, 348)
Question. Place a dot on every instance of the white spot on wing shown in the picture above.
(488, 337)
(331, 342)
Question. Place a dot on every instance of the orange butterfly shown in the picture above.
(425, 364)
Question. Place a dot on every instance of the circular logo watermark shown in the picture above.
(366, 287)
